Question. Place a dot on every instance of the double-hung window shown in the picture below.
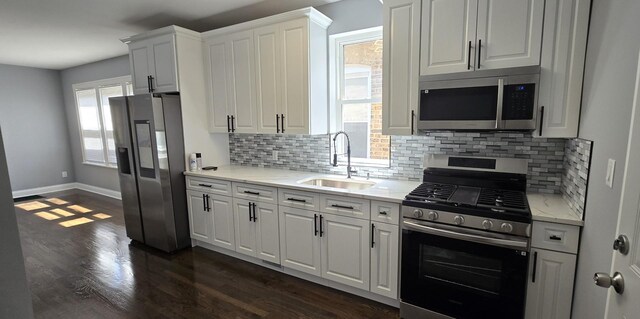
(94, 118)
(356, 96)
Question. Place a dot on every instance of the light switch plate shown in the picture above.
(611, 168)
(64, 174)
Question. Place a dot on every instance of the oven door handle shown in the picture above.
(506, 243)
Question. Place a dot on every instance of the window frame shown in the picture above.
(336, 91)
(123, 81)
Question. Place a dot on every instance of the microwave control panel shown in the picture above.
(518, 101)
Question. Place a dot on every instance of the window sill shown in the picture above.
(100, 165)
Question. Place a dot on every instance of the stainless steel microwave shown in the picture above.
(477, 104)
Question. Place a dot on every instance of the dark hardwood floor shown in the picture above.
(91, 271)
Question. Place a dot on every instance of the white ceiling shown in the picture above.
(58, 34)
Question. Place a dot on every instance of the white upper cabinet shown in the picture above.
(470, 35)
(509, 33)
(564, 45)
(153, 62)
(276, 71)
(448, 36)
(400, 70)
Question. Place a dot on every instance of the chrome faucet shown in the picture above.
(335, 153)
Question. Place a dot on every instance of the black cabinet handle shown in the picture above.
(373, 232)
(204, 202)
(205, 185)
(208, 208)
(535, 264)
(252, 193)
(479, 52)
(277, 123)
(315, 224)
(341, 206)
(554, 237)
(469, 57)
(150, 83)
(282, 126)
(383, 213)
(254, 212)
(541, 120)
(228, 124)
(321, 232)
(233, 125)
(413, 117)
(297, 200)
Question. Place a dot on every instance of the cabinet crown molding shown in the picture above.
(172, 29)
(308, 12)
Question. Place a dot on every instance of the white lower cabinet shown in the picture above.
(222, 213)
(245, 227)
(200, 221)
(550, 288)
(345, 250)
(299, 240)
(384, 259)
(256, 229)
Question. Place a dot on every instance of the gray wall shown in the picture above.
(35, 127)
(611, 62)
(350, 15)
(90, 174)
(15, 299)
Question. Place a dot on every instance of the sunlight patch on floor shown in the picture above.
(62, 212)
(57, 201)
(102, 216)
(47, 215)
(32, 206)
(79, 208)
(76, 222)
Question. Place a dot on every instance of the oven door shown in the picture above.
(462, 273)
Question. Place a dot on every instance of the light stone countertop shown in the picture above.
(552, 208)
(384, 190)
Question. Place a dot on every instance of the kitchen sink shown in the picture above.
(338, 183)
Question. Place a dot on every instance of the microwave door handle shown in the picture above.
(506, 243)
(500, 103)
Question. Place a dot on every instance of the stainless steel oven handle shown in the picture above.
(466, 237)
(500, 103)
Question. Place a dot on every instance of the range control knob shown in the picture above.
(458, 220)
(487, 224)
(432, 215)
(418, 213)
(506, 227)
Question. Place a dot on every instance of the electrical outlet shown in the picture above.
(65, 174)
(611, 168)
(274, 155)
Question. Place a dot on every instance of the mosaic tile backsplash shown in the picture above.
(575, 178)
(311, 153)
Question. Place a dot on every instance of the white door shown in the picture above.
(200, 219)
(267, 232)
(223, 229)
(345, 250)
(509, 33)
(626, 305)
(294, 76)
(384, 259)
(164, 64)
(140, 65)
(245, 227)
(267, 54)
(550, 289)
(299, 240)
(448, 36)
(216, 69)
(241, 77)
(401, 66)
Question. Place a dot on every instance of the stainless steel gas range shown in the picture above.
(465, 240)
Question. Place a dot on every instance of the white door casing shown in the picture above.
(626, 305)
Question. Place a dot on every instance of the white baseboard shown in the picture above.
(64, 187)
(43, 190)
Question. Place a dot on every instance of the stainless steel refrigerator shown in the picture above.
(150, 153)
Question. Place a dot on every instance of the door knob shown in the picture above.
(621, 244)
(604, 280)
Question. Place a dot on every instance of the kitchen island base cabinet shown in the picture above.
(550, 288)
(384, 259)
(299, 240)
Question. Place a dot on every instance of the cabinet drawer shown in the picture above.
(385, 212)
(556, 237)
(299, 199)
(213, 186)
(257, 193)
(345, 206)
